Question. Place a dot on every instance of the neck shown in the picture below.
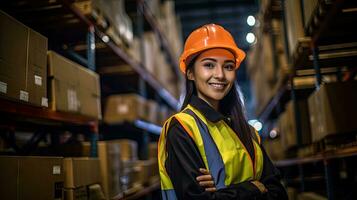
(213, 103)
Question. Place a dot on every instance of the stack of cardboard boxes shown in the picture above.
(332, 109)
(49, 178)
(111, 15)
(130, 107)
(28, 74)
(23, 69)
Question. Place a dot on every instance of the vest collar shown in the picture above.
(206, 110)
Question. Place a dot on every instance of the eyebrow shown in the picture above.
(212, 59)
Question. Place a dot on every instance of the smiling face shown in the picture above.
(213, 74)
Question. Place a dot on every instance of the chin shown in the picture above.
(218, 96)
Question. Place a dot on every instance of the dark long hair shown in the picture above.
(231, 105)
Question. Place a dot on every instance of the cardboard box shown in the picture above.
(125, 107)
(274, 148)
(73, 88)
(153, 150)
(110, 167)
(294, 24)
(128, 149)
(144, 171)
(333, 109)
(309, 8)
(22, 62)
(89, 93)
(92, 192)
(153, 111)
(31, 177)
(310, 196)
(81, 172)
(79, 193)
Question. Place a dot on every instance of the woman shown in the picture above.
(208, 150)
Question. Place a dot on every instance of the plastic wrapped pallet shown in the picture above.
(333, 109)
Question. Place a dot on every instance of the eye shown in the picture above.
(229, 66)
(209, 65)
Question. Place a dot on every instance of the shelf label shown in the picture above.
(56, 169)
(72, 100)
(24, 96)
(123, 109)
(44, 102)
(3, 87)
(38, 80)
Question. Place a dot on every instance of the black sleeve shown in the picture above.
(271, 180)
(182, 166)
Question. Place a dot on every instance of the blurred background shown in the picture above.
(86, 85)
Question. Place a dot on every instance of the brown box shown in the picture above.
(333, 109)
(110, 167)
(125, 107)
(89, 93)
(153, 110)
(79, 193)
(31, 177)
(274, 148)
(128, 149)
(153, 150)
(294, 24)
(73, 88)
(309, 7)
(63, 82)
(81, 172)
(22, 62)
(144, 171)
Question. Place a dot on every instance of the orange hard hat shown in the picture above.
(207, 37)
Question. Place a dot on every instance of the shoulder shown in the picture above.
(179, 124)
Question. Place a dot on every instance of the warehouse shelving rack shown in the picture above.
(18, 116)
(85, 43)
(331, 49)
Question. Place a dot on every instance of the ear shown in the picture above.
(190, 75)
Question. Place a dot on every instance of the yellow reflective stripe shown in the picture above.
(189, 122)
(258, 136)
(185, 127)
(165, 180)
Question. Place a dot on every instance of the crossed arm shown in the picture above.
(192, 181)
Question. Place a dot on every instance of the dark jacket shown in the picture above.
(184, 160)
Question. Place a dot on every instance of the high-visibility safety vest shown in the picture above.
(224, 155)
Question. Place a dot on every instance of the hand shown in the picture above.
(206, 180)
(260, 186)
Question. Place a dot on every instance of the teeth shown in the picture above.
(217, 85)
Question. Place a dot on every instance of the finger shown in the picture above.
(206, 183)
(204, 178)
(211, 189)
(203, 171)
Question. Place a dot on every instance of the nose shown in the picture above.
(219, 72)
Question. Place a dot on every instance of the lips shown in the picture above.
(218, 86)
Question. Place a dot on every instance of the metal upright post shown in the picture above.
(91, 48)
(93, 128)
(329, 179)
(142, 84)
